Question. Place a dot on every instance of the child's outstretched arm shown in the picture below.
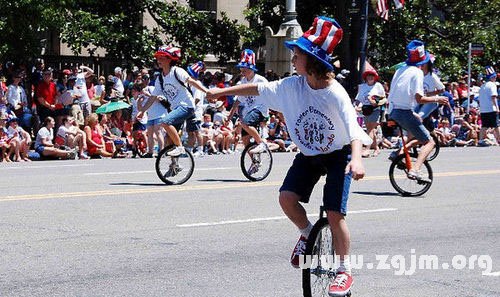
(239, 90)
(355, 166)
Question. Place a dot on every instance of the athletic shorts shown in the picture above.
(406, 119)
(307, 170)
(253, 118)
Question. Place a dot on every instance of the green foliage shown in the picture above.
(116, 26)
(446, 26)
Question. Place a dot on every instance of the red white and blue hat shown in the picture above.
(169, 51)
(195, 69)
(490, 72)
(320, 40)
(247, 60)
(417, 55)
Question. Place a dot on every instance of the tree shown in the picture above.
(446, 26)
(115, 26)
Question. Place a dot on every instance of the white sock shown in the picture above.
(200, 149)
(305, 232)
(189, 149)
(345, 266)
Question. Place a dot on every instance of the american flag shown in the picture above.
(383, 9)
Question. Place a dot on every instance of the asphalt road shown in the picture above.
(110, 228)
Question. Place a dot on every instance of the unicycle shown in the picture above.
(398, 173)
(318, 273)
(256, 167)
(174, 170)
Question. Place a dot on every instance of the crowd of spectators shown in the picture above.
(49, 113)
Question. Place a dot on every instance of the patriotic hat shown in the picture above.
(320, 40)
(417, 55)
(169, 51)
(490, 72)
(247, 60)
(194, 70)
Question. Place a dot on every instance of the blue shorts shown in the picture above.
(178, 116)
(138, 126)
(39, 149)
(406, 119)
(253, 119)
(193, 125)
(307, 170)
(155, 122)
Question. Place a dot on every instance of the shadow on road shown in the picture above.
(223, 180)
(137, 184)
(382, 194)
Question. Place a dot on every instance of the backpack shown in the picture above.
(166, 103)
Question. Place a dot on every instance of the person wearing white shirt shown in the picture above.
(407, 90)
(171, 87)
(17, 99)
(80, 90)
(432, 87)
(488, 106)
(372, 95)
(322, 122)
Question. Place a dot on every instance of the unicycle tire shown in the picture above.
(404, 185)
(316, 279)
(256, 167)
(174, 170)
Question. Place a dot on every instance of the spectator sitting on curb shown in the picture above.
(71, 136)
(22, 139)
(44, 145)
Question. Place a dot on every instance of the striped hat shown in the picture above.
(247, 60)
(320, 40)
(490, 72)
(195, 69)
(417, 55)
(169, 51)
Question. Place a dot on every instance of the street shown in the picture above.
(111, 228)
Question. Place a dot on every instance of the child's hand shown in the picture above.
(356, 168)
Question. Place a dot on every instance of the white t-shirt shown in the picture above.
(175, 93)
(247, 103)
(364, 91)
(99, 89)
(487, 90)
(198, 109)
(135, 110)
(43, 133)
(16, 95)
(63, 131)
(318, 121)
(432, 83)
(81, 88)
(406, 83)
(156, 110)
(118, 86)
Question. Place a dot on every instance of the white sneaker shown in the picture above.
(198, 154)
(177, 151)
(262, 147)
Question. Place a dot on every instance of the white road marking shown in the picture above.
(492, 273)
(275, 218)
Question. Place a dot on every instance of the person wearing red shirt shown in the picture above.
(46, 96)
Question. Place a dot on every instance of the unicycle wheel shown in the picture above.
(174, 170)
(256, 167)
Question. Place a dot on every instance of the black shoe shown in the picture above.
(148, 155)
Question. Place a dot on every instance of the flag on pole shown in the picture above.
(399, 3)
(383, 9)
